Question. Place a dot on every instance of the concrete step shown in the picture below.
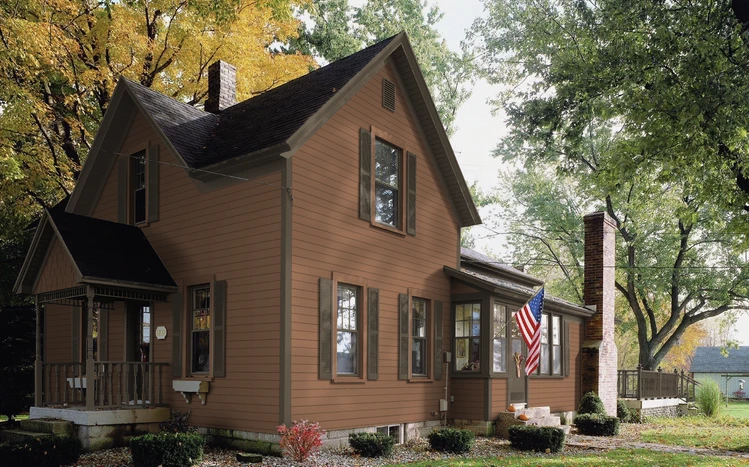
(20, 436)
(47, 425)
(549, 420)
(534, 412)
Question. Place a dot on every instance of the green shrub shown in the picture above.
(371, 444)
(451, 440)
(591, 404)
(622, 412)
(177, 423)
(708, 398)
(42, 452)
(167, 449)
(536, 438)
(597, 425)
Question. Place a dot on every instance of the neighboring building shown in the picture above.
(294, 256)
(730, 371)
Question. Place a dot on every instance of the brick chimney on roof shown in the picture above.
(222, 87)
(599, 362)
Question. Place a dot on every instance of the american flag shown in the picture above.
(529, 322)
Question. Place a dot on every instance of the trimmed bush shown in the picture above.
(167, 449)
(536, 438)
(591, 404)
(597, 425)
(451, 440)
(371, 444)
(301, 439)
(42, 452)
(708, 398)
(622, 412)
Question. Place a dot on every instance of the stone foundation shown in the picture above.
(478, 427)
(409, 431)
(641, 409)
(259, 443)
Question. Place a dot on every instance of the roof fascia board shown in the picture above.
(19, 286)
(440, 129)
(244, 162)
(521, 278)
(131, 285)
(107, 133)
(422, 135)
(566, 308)
(316, 121)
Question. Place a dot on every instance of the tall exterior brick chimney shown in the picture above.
(222, 87)
(599, 350)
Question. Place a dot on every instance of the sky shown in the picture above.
(478, 131)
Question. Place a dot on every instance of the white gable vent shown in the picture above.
(388, 95)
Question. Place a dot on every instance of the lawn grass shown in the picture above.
(723, 432)
(3, 418)
(618, 457)
(737, 409)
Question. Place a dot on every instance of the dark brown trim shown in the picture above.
(284, 402)
(488, 399)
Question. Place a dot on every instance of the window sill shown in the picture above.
(547, 376)
(420, 379)
(388, 228)
(347, 380)
(467, 374)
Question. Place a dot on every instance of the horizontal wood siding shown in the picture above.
(560, 394)
(328, 236)
(499, 396)
(58, 323)
(469, 398)
(57, 271)
(460, 288)
(116, 334)
(230, 234)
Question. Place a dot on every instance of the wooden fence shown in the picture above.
(646, 384)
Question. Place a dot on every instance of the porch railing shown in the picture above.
(646, 384)
(115, 384)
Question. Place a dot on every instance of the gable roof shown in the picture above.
(101, 252)
(274, 123)
(711, 360)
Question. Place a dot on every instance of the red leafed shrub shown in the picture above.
(301, 440)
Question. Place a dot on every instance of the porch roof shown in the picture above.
(102, 252)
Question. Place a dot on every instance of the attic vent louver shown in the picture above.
(388, 95)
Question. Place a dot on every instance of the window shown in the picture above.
(387, 184)
(551, 345)
(201, 329)
(467, 336)
(499, 347)
(419, 352)
(138, 199)
(144, 337)
(394, 431)
(347, 330)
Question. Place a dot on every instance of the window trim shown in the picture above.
(186, 326)
(429, 353)
(562, 345)
(136, 159)
(191, 310)
(508, 318)
(395, 142)
(362, 315)
(454, 370)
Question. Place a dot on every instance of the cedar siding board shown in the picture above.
(560, 394)
(58, 271)
(469, 398)
(58, 329)
(230, 234)
(499, 396)
(329, 237)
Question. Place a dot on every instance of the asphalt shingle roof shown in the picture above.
(473, 256)
(711, 360)
(264, 121)
(110, 251)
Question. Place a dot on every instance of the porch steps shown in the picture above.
(20, 436)
(37, 428)
(537, 416)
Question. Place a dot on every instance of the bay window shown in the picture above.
(551, 345)
(499, 342)
(468, 336)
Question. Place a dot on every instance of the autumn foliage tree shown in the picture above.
(60, 61)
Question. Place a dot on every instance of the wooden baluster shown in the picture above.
(110, 380)
(57, 384)
(150, 383)
(160, 393)
(127, 384)
(143, 383)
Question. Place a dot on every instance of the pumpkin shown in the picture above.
(524, 417)
(511, 408)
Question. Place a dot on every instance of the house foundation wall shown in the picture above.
(642, 409)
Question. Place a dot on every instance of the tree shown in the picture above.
(638, 108)
(60, 61)
(340, 29)
(17, 368)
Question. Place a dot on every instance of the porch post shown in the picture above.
(90, 390)
(38, 357)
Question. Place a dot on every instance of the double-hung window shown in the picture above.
(551, 345)
(499, 342)
(347, 330)
(468, 336)
(138, 196)
(201, 329)
(387, 183)
(419, 335)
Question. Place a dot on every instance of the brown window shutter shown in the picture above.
(365, 175)
(403, 344)
(76, 335)
(152, 186)
(566, 347)
(122, 190)
(177, 300)
(411, 199)
(437, 339)
(326, 330)
(219, 328)
(103, 343)
(373, 332)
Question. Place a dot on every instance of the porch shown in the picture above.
(656, 393)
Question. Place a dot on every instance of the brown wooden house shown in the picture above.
(293, 256)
